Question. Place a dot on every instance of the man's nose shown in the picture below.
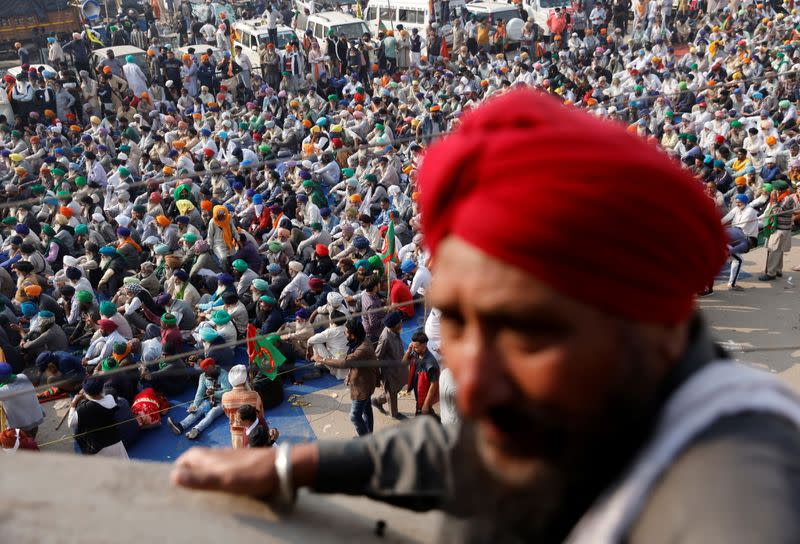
(481, 378)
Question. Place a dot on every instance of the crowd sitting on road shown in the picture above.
(155, 210)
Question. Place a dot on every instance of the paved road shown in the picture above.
(762, 323)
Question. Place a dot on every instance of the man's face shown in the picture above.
(546, 380)
(420, 348)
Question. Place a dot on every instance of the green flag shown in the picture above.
(263, 353)
(389, 252)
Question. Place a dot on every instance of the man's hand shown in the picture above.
(243, 471)
(191, 409)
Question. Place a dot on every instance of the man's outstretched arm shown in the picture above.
(408, 465)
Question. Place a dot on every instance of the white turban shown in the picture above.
(237, 375)
(296, 266)
(335, 299)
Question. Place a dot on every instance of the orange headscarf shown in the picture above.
(118, 357)
(222, 218)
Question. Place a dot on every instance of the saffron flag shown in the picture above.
(263, 353)
(389, 252)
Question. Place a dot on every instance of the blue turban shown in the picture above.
(29, 309)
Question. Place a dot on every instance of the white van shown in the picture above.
(121, 52)
(539, 10)
(498, 11)
(250, 34)
(387, 14)
(321, 24)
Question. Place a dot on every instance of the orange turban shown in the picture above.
(163, 220)
(206, 205)
(33, 290)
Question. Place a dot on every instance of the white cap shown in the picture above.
(237, 375)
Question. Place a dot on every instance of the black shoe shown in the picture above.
(176, 427)
(400, 417)
(766, 277)
(779, 274)
(379, 406)
(706, 293)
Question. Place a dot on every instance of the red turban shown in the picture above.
(556, 192)
(321, 250)
(206, 363)
(106, 325)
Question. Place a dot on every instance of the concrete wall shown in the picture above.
(74, 499)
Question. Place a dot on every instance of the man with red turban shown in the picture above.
(595, 407)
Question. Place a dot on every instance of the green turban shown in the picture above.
(275, 247)
(268, 299)
(316, 226)
(239, 265)
(63, 195)
(81, 229)
(80, 181)
(375, 262)
(161, 249)
(176, 194)
(208, 334)
(264, 148)
(260, 285)
(190, 237)
(107, 308)
(348, 172)
(108, 364)
(780, 185)
(84, 296)
(221, 317)
(57, 172)
(48, 230)
(169, 319)
(124, 172)
(11, 220)
(767, 187)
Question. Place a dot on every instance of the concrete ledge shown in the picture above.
(87, 500)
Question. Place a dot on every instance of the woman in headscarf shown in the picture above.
(221, 234)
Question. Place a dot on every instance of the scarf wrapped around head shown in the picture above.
(121, 350)
(176, 194)
(184, 206)
(200, 247)
(222, 218)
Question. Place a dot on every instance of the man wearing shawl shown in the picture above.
(221, 234)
